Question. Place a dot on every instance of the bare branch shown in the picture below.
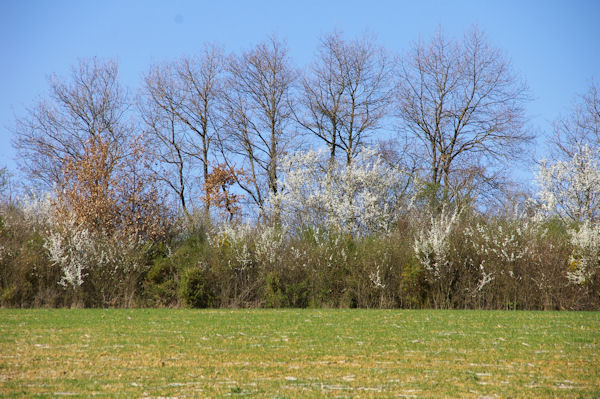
(257, 110)
(464, 105)
(92, 104)
(346, 93)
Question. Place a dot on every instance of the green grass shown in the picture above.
(298, 353)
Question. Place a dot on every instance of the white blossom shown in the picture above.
(77, 251)
(269, 243)
(504, 245)
(485, 279)
(376, 279)
(571, 188)
(38, 211)
(432, 245)
(72, 254)
(360, 198)
(235, 237)
(585, 259)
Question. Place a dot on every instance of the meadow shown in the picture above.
(298, 353)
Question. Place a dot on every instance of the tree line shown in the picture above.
(364, 179)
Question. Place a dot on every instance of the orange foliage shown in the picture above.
(109, 192)
(217, 188)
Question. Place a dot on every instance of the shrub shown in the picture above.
(193, 289)
(434, 252)
(27, 278)
(160, 285)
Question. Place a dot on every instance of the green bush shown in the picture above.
(193, 289)
(160, 287)
(285, 290)
(274, 296)
(163, 280)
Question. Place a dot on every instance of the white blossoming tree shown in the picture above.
(360, 198)
(570, 188)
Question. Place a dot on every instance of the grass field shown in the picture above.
(298, 353)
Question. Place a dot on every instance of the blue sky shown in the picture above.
(553, 44)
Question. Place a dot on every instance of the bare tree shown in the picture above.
(346, 93)
(464, 105)
(580, 127)
(257, 110)
(92, 104)
(179, 106)
(158, 108)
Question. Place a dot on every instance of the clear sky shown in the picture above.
(554, 45)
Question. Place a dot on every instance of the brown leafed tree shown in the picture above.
(463, 106)
(346, 93)
(112, 199)
(179, 105)
(91, 104)
(256, 114)
(86, 191)
(218, 190)
(108, 215)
